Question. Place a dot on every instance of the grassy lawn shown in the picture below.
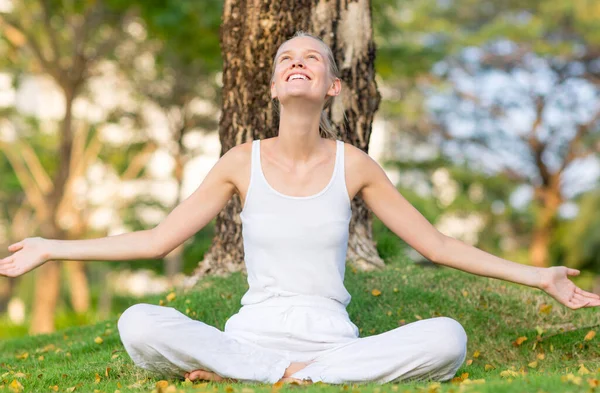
(520, 340)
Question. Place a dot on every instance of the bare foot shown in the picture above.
(293, 368)
(203, 375)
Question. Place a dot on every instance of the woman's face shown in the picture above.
(302, 71)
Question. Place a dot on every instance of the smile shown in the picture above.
(298, 76)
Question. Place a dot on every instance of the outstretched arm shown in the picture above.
(405, 221)
(186, 219)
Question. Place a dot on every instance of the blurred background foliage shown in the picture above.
(490, 120)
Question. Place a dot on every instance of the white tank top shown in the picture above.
(296, 246)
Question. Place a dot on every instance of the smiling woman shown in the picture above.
(296, 212)
(296, 191)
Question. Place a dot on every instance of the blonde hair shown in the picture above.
(326, 129)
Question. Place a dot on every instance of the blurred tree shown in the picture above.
(183, 41)
(513, 87)
(468, 204)
(250, 35)
(531, 94)
(65, 41)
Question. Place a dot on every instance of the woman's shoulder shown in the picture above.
(359, 166)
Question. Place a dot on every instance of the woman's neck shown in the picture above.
(299, 138)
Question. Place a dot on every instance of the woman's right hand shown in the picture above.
(26, 255)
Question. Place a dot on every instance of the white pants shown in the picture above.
(260, 342)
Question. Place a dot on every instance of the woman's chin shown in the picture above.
(295, 97)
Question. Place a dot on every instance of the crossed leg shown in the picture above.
(431, 349)
(163, 340)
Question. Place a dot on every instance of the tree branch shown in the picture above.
(33, 194)
(139, 161)
(51, 68)
(538, 147)
(35, 167)
(49, 30)
(572, 153)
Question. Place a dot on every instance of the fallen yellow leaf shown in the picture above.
(540, 330)
(15, 386)
(583, 370)
(171, 296)
(460, 378)
(473, 381)
(509, 373)
(519, 341)
(55, 388)
(69, 390)
(465, 293)
(476, 354)
(545, 309)
(591, 334)
(541, 356)
(23, 356)
(162, 384)
(469, 362)
(97, 378)
(98, 340)
(533, 364)
(593, 382)
(571, 378)
(375, 292)
(489, 367)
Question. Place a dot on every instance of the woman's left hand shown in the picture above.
(555, 282)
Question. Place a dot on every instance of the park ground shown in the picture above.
(520, 340)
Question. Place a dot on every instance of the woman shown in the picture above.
(296, 190)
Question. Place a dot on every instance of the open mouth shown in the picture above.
(297, 76)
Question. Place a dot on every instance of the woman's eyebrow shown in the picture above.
(309, 50)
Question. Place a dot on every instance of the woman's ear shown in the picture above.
(273, 91)
(335, 88)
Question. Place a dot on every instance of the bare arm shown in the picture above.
(405, 221)
(186, 219)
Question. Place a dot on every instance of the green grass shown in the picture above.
(493, 313)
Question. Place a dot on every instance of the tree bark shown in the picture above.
(251, 32)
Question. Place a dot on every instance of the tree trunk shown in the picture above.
(173, 262)
(47, 278)
(538, 250)
(78, 286)
(549, 200)
(47, 285)
(251, 32)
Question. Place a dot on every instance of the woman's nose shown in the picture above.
(297, 63)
